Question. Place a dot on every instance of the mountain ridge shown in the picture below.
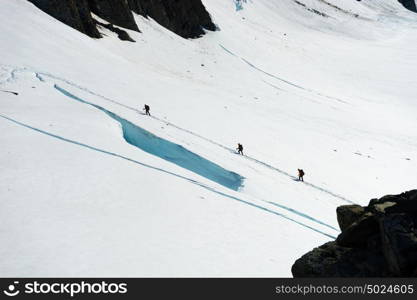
(188, 19)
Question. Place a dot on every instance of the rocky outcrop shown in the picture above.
(116, 12)
(121, 34)
(186, 18)
(376, 241)
(409, 4)
(74, 13)
(348, 214)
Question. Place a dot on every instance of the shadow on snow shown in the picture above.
(167, 172)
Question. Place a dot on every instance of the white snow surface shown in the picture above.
(333, 95)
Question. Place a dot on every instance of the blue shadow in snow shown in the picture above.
(166, 172)
(302, 215)
(169, 151)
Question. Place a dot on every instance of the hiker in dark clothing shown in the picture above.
(239, 148)
(300, 175)
(147, 109)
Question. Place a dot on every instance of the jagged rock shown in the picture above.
(399, 244)
(74, 13)
(348, 214)
(357, 234)
(114, 11)
(332, 260)
(85, 15)
(381, 242)
(123, 35)
(405, 202)
(409, 4)
(186, 18)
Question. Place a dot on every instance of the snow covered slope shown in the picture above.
(89, 186)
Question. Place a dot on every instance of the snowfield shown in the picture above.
(90, 186)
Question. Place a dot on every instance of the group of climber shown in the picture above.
(239, 148)
(301, 173)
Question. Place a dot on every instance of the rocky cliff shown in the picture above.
(74, 13)
(187, 18)
(376, 241)
(116, 12)
(410, 4)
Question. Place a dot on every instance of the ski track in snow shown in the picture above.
(302, 215)
(275, 87)
(303, 182)
(120, 120)
(340, 197)
(40, 76)
(166, 172)
(281, 79)
(174, 153)
(286, 91)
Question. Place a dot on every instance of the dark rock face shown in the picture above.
(121, 34)
(358, 233)
(86, 19)
(348, 214)
(409, 4)
(74, 13)
(332, 260)
(116, 12)
(379, 240)
(399, 243)
(186, 18)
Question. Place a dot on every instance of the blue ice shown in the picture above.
(239, 5)
(169, 151)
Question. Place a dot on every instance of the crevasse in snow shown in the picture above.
(169, 151)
